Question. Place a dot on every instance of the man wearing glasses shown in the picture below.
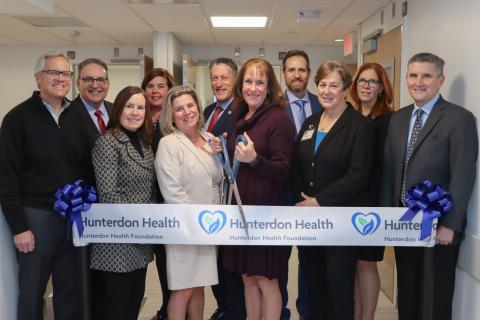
(42, 148)
(90, 104)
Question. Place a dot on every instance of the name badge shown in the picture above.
(308, 134)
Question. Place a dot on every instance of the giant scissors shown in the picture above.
(231, 171)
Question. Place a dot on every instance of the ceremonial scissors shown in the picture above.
(231, 172)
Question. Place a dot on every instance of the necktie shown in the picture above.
(417, 127)
(101, 124)
(214, 119)
(301, 113)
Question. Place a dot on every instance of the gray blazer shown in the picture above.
(122, 176)
(445, 152)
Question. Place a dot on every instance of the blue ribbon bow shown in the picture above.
(432, 199)
(72, 199)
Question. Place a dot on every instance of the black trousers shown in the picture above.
(161, 263)
(53, 255)
(330, 272)
(117, 296)
(410, 277)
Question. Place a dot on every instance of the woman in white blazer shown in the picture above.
(187, 173)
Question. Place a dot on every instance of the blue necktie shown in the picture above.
(417, 127)
(301, 113)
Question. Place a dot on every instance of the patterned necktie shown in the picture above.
(214, 119)
(417, 127)
(101, 124)
(301, 113)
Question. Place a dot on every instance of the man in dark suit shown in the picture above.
(219, 119)
(90, 104)
(92, 112)
(437, 140)
(301, 105)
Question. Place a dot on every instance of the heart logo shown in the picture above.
(366, 224)
(212, 222)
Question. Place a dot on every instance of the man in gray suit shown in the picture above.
(437, 140)
(301, 105)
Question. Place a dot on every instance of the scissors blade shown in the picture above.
(240, 206)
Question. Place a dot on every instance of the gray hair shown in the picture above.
(166, 117)
(430, 58)
(44, 57)
(227, 61)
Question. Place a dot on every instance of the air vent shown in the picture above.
(62, 22)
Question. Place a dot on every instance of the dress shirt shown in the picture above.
(56, 116)
(296, 109)
(91, 111)
(427, 108)
(224, 106)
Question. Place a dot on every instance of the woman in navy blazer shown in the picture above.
(331, 167)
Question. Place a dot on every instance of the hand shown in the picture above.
(444, 235)
(24, 242)
(245, 153)
(307, 201)
(216, 145)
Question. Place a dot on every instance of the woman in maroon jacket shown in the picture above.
(263, 173)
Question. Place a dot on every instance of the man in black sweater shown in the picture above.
(42, 148)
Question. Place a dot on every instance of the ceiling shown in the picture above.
(131, 22)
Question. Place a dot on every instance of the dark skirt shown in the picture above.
(371, 253)
(267, 261)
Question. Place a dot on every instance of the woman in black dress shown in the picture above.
(372, 95)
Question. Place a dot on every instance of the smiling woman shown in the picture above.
(187, 173)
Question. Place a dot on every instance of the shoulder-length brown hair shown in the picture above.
(166, 117)
(158, 72)
(145, 131)
(385, 97)
(274, 91)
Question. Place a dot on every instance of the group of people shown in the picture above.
(156, 144)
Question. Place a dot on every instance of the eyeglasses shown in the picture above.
(371, 83)
(56, 73)
(91, 80)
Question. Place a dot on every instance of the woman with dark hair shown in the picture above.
(331, 167)
(262, 176)
(187, 173)
(372, 95)
(156, 84)
(124, 171)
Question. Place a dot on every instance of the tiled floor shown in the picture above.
(385, 309)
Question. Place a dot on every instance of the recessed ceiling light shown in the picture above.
(338, 40)
(239, 22)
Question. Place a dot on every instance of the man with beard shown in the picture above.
(219, 119)
(301, 105)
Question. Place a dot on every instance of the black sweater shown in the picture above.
(37, 156)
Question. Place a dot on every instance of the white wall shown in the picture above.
(17, 63)
(316, 54)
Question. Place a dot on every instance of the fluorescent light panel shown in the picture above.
(238, 22)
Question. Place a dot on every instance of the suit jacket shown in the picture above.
(314, 104)
(338, 173)
(183, 176)
(123, 176)
(82, 113)
(445, 152)
(225, 123)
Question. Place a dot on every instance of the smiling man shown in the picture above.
(90, 105)
(42, 148)
(437, 140)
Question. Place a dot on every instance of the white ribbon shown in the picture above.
(267, 225)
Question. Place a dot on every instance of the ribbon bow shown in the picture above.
(72, 199)
(432, 199)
